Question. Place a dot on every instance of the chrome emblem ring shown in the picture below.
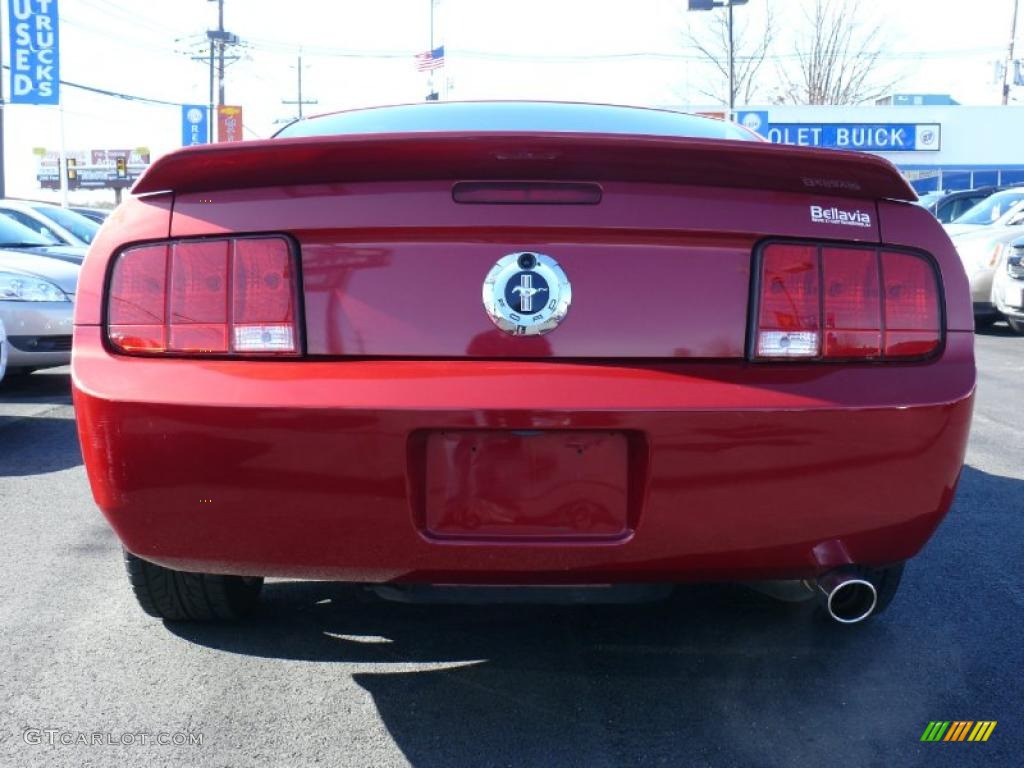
(527, 294)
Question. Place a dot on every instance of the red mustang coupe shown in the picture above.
(521, 344)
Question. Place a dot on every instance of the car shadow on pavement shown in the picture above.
(35, 445)
(716, 674)
(997, 329)
(33, 440)
(42, 387)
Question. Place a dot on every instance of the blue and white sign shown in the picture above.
(195, 125)
(868, 137)
(756, 121)
(35, 52)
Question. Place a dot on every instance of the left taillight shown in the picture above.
(223, 296)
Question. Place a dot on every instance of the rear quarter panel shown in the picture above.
(136, 219)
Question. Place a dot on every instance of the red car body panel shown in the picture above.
(413, 441)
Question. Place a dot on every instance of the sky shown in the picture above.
(360, 53)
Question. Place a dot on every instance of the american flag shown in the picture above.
(430, 59)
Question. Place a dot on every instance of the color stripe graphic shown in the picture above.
(958, 730)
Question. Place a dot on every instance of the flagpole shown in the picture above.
(430, 77)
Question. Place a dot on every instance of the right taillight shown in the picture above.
(223, 296)
(831, 302)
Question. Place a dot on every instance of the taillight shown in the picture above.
(229, 296)
(843, 303)
(789, 323)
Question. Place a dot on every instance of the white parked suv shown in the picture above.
(1008, 285)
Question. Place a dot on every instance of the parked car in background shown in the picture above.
(14, 235)
(947, 207)
(989, 212)
(3, 350)
(38, 282)
(1008, 285)
(980, 249)
(99, 215)
(61, 224)
(405, 363)
(927, 199)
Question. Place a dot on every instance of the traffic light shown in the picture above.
(72, 168)
(121, 164)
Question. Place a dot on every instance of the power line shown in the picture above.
(151, 45)
(115, 94)
(271, 46)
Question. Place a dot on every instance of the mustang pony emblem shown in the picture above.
(526, 291)
(526, 294)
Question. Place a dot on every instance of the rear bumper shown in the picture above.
(36, 333)
(981, 287)
(316, 469)
(1007, 293)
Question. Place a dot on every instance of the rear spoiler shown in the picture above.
(525, 156)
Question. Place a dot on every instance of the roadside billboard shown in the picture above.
(92, 168)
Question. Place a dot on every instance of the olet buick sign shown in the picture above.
(868, 137)
(35, 52)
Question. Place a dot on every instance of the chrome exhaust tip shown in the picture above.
(848, 598)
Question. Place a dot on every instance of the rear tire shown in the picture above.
(1017, 326)
(179, 596)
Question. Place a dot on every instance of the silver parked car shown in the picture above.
(1008, 285)
(980, 249)
(37, 290)
(52, 221)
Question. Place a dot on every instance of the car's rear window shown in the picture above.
(516, 116)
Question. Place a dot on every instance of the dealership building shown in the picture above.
(936, 146)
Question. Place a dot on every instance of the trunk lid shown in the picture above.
(394, 265)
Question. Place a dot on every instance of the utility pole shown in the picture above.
(209, 57)
(220, 46)
(219, 39)
(1009, 55)
(299, 101)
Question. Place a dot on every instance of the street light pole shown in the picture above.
(1009, 56)
(710, 5)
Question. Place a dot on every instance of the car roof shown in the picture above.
(515, 116)
(973, 192)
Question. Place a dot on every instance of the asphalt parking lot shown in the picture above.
(325, 675)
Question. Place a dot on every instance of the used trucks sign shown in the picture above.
(35, 62)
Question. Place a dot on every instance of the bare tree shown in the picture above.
(837, 58)
(750, 48)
